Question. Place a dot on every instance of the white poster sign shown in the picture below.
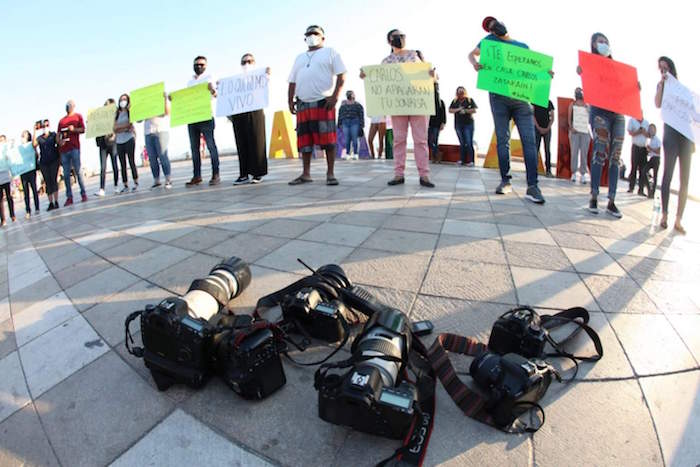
(680, 109)
(580, 119)
(242, 93)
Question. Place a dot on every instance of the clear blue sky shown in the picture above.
(91, 50)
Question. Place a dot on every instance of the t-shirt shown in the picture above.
(410, 56)
(462, 119)
(155, 125)
(634, 125)
(71, 139)
(47, 148)
(542, 114)
(313, 73)
(493, 37)
(122, 118)
(654, 143)
(5, 177)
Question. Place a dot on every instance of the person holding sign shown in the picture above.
(5, 179)
(29, 178)
(70, 128)
(205, 129)
(312, 97)
(579, 137)
(108, 146)
(400, 123)
(156, 134)
(504, 109)
(639, 131)
(48, 161)
(677, 146)
(544, 119)
(126, 142)
(463, 107)
(249, 130)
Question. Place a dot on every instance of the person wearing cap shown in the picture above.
(312, 96)
(400, 123)
(504, 109)
(249, 130)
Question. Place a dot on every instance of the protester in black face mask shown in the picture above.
(48, 161)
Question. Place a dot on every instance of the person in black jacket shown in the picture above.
(436, 125)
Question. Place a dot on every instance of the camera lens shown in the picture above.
(226, 280)
(385, 336)
(486, 369)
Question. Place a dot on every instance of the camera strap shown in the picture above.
(135, 351)
(580, 317)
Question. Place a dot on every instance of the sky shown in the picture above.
(91, 50)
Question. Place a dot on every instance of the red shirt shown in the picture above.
(71, 139)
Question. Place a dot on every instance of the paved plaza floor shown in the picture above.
(458, 255)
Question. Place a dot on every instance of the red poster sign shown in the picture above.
(610, 85)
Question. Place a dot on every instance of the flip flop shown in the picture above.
(331, 181)
(300, 180)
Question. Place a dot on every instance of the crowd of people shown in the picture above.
(315, 83)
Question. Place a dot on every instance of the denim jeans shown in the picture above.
(606, 124)
(351, 131)
(206, 129)
(465, 134)
(157, 148)
(433, 137)
(71, 159)
(504, 109)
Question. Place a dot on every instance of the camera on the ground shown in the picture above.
(322, 319)
(518, 331)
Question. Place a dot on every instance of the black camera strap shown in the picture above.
(580, 317)
(135, 351)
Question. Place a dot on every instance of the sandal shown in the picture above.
(300, 180)
(679, 229)
(331, 181)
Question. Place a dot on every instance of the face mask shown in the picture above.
(499, 29)
(313, 40)
(603, 49)
(67, 108)
(122, 104)
(579, 95)
(398, 41)
(199, 69)
(46, 130)
(247, 67)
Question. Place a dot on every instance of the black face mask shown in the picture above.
(499, 29)
(398, 41)
(199, 69)
(67, 108)
(579, 95)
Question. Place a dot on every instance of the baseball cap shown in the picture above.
(486, 21)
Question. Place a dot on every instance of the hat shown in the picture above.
(486, 21)
(314, 29)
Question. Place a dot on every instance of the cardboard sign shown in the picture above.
(242, 93)
(399, 89)
(190, 105)
(515, 72)
(147, 102)
(22, 159)
(100, 121)
(680, 109)
(610, 85)
(580, 118)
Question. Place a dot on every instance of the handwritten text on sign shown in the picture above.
(399, 89)
(680, 109)
(580, 118)
(242, 93)
(610, 85)
(100, 121)
(515, 72)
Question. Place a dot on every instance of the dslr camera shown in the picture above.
(518, 331)
(322, 319)
(372, 395)
(512, 383)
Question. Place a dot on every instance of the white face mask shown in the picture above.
(46, 130)
(122, 104)
(313, 40)
(603, 49)
(247, 67)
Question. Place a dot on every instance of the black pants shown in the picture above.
(110, 150)
(249, 130)
(207, 130)
(5, 191)
(124, 150)
(639, 160)
(50, 173)
(29, 181)
(651, 165)
(547, 137)
(676, 146)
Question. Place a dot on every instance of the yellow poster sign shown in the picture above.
(100, 121)
(399, 89)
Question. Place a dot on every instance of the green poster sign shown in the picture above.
(147, 102)
(190, 105)
(515, 72)
(399, 89)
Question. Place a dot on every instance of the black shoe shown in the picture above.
(194, 181)
(396, 181)
(630, 190)
(51, 207)
(424, 181)
(549, 174)
(241, 180)
(641, 193)
(534, 194)
(612, 210)
(215, 180)
(503, 188)
(593, 206)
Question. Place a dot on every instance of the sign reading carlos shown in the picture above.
(515, 72)
(242, 93)
(399, 89)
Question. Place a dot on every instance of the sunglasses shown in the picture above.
(200, 65)
(312, 34)
(247, 62)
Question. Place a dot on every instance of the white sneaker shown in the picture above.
(135, 187)
(125, 189)
(573, 178)
(168, 185)
(584, 179)
(100, 193)
(355, 157)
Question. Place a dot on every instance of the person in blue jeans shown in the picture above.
(70, 128)
(608, 136)
(463, 107)
(157, 137)
(351, 117)
(504, 109)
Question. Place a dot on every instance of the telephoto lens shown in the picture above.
(226, 281)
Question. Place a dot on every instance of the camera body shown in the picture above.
(518, 331)
(321, 319)
(512, 383)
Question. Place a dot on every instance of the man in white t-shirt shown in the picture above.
(639, 131)
(654, 150)
(205, 128)
(312, 97)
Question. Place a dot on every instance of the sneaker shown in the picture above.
(135, 187)
(256, 180)
(125, 189)
(503, 188)
(51, 207)
(549, 174)
(27, 216)
(116, 190)
(168, 185)
(584, 179)
(424, 181)
(155, 185)
(83, 198)
(100, 194)
(534, 194)
(396, 181)
(612, 210)
(573, 179)
(593, 205)
(241, 180)
(194, 181)
(355, 157)
(215, 180)
(69, 202)
(470, 164)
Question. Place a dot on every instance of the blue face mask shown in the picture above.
(603, 49)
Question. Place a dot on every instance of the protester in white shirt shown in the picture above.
(312, 97)
(638, 130)
(654, 151)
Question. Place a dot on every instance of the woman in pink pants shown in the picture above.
(418, 123)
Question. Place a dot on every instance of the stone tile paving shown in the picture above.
(459, 255)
